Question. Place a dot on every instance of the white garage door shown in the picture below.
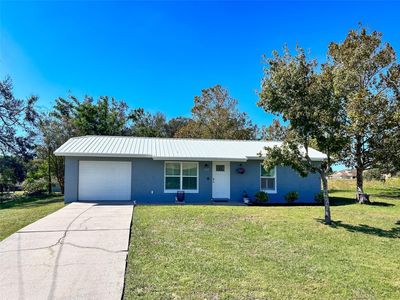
(104, 180)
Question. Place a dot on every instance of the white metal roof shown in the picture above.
(168, 148)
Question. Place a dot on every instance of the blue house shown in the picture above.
(153, 170)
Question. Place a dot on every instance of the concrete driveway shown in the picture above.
(77, 252)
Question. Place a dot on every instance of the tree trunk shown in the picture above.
(361, 198)
(59, 170)
(359, 171)
(49, 184)
(324, 177)
(360, 180)
(61, 183)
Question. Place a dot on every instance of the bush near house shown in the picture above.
(319, 197)
(291, 197)
(261, 197)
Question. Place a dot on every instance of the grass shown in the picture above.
(238, 252)
(19, 212)
(378, 189)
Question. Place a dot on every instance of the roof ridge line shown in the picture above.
(173, 138)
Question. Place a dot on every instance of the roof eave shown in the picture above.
(200, 158)
(77, 154)
(235, 159)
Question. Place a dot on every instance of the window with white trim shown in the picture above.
(181, 176)
(268, 179)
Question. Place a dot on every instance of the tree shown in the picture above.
(35, 181)
(71, 117)
(292, 88)
(366, 77)
(175, 124)
(17, 122)
(215, 116)
(105, 117)
(88, 117)
(53, 133)
(388, 158)
(274, 132)
(12, 171)
(147, 125)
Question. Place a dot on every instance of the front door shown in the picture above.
(221, 181)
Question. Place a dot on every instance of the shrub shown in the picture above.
(261, 197)
(291, 197)
(32, 186)
(319, 197)
(374, 174)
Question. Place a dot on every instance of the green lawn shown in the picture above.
(222, 252)
(22, 211)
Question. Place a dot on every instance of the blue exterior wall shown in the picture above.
(71, 179)
(148, 181)
(287, 180)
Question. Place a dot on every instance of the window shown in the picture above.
(220, 168)
(268, 180)
(172, 176)
(181, 176)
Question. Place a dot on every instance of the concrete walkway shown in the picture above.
(78, 252)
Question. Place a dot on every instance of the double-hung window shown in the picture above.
(268, 180)
(181, 176)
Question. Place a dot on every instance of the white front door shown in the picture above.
(221, 181)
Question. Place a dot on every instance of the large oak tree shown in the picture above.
(367, 79)
(293, 89)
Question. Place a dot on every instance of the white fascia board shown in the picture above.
(256, 157)
(316, 159)
(199, 158)
(76, 154)
(263, 157)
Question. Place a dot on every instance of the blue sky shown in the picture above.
(159, 55)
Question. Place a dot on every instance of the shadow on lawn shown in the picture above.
(24, 202)
(392, 193)
(377, 203)
(339, 201)
(393, 233)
